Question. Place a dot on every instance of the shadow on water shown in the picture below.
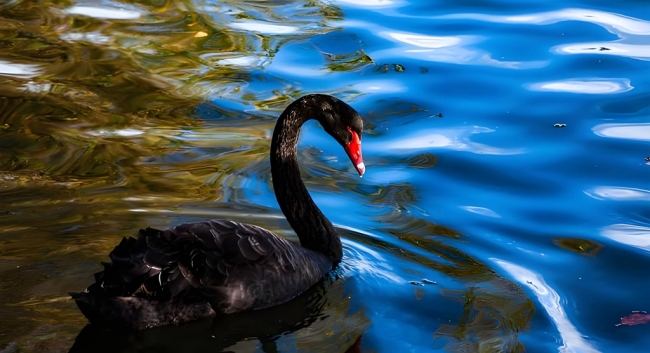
(319, 320)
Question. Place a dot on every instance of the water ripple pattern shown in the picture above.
(505, 205)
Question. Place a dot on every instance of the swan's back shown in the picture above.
(196, 270)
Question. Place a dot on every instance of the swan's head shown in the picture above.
(345, 125)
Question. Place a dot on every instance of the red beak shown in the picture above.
(353, 149)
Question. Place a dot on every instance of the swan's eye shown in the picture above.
(355, 134)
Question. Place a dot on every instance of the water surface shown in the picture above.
(505, 205)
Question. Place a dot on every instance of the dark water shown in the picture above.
(506, 205)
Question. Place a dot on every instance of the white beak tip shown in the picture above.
(361, 168)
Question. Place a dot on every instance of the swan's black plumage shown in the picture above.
(197, 270)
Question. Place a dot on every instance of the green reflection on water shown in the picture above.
(98, 132)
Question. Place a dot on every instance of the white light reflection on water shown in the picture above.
(431, 41)
(572, 340)
(121, 132)
(369, 3)
(368, 262)
(636, 236)
(93, 37)
(243, 61)
(448, 49)
(481, 210)
(38, 87)
(614, 23)
(632, 32)
(590, 86)
(607, 48)
(454, 139)
(618, 193)
(8, 68)
(380, 86)
(639, 131)
(263, 27)
(103, 12)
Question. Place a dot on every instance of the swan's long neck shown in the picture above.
(312, 227)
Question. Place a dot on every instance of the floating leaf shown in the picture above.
(581, 246)
(635, 318)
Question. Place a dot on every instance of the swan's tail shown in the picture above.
(127, 292)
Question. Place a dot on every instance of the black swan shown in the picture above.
(198, 270)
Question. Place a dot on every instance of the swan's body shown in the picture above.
(197, 270)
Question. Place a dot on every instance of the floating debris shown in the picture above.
(422, 283)
(635, 318)
(579, 245)
(386, 67)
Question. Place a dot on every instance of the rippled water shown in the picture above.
(505, 205)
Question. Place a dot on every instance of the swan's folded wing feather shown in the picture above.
(215, 261)
(247, 250)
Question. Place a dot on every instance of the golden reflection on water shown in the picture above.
(101, 131)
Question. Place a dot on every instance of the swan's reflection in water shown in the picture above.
(319, 320)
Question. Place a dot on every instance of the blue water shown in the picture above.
(506, 200)
(512, 183)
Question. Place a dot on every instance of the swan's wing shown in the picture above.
(192, 260)
(214, 250)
